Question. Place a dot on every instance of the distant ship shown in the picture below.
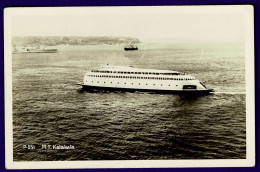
(145, 80)
(34, 49)
(131, 47)
(46, 50)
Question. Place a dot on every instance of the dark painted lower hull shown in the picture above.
(112, 89)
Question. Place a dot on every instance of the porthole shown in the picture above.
(111, 82)
(104, 82)
(139, 84)
(125, 83)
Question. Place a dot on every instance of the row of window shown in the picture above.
(145, 73)
(138, 77)
(131, 83)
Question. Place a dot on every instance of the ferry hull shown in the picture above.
(92, 88)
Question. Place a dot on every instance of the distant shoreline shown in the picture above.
(18, 41)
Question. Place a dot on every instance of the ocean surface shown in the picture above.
(49, 109)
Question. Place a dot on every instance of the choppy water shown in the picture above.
(49, 108)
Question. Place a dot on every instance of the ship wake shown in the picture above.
(242, 93)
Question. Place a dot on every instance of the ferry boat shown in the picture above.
(145, 80)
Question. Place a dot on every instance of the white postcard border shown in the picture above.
(247, 10)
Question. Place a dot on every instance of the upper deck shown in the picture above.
(132, 70)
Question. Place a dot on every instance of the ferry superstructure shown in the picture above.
(134, 79)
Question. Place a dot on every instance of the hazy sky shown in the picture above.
(216, 24)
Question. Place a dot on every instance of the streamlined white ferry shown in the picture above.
(149, 80)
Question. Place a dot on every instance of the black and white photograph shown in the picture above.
(128, 87)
